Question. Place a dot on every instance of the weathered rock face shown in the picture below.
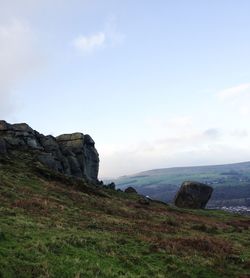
(80, 151)
(193, 195)
(71, 154)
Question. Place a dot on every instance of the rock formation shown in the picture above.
(193, 195)
(71, 154)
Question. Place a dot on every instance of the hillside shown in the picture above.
(231, 182)
(57, 226)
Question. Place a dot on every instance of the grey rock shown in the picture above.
(75, 166)
(22, 127)
(50, 161)
(32, 142)
(49, 143)
(19, 136)
(13, 141)
(193, 195)
(91, 158)
(88, 140)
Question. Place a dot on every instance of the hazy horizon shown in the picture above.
(156, 84)
(172, 167)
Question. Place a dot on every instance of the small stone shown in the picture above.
(130, 189)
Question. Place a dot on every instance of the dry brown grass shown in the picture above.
(206, 245)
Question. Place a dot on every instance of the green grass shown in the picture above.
(53, 226)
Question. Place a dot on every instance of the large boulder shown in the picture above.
(194, 195)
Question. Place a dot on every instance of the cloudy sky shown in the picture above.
(155, 83)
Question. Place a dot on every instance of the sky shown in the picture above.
(156, 83)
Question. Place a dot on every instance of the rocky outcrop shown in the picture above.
(71, 154)
(193, 195)
(81, 154)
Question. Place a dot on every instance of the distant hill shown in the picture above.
(230, 181)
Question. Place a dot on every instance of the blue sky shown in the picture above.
(155, 83)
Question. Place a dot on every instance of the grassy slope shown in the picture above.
(52, 226)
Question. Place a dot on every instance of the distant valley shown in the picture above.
(231, 182)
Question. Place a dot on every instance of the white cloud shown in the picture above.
(233, 92)
(114, 37)
(109, 37)
(240, 133)
(89, 43)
